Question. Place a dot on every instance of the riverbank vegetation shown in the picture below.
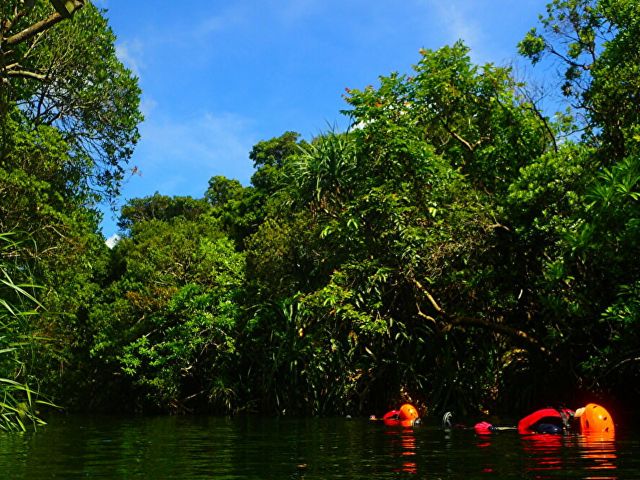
(459, 246)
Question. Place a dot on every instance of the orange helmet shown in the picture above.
(408, 412)
(595, 419)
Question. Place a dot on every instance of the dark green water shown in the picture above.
(266, 448)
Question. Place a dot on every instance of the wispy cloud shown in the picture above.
(131, 54)
(271, 14)
(294, 11)
(174, 152)
(232, 17)
(147, 105)
(484, 24)
(458, 19)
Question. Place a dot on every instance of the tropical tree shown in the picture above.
(387, 245)
(163, 332)
(69, 115)
(67, 75)
(590, 276)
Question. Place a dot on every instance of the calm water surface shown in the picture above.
(265, 448)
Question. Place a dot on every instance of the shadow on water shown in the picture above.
(267, 448)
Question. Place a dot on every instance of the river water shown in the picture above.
(155, 448)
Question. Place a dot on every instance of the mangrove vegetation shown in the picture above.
(461, 246)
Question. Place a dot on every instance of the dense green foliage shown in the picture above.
(18, 401)
(68, 124)
(457, 247)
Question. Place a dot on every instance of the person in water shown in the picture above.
(406, 416)
(591, 420)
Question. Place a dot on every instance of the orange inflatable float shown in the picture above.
(407, 416)
(594, 420)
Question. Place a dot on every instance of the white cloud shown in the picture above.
(177, 157)
(130, 53)
(147, 105)
(206, 138)
(467, 20)
(491, 28)
(459, 20)
(245, 15)
(113, 240)
(230, 18)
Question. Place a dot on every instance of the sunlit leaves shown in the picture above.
(167, 322)
(18, 401)
(80, 87)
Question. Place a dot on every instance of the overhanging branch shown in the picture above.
(34, 29)
(501, 328)
(426, 293)
(41, 26)
(449, 322)
(25, 74)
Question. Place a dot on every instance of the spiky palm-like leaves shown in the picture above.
(18, 401)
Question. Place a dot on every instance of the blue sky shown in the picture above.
(217, 77)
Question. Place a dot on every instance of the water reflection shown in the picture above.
(402, 444)
(548, 456)
(594, 455)
(313, 449)
(408, 443)
(599, 455)
(543, 452)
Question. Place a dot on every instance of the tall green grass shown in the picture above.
(19, 402)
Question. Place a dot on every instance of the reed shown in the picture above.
(18, 401)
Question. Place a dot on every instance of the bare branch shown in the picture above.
(459, 322)
(534, 108)
(498, 225)
(462, 140)
(424, 315)
(501, 328)
(426, 293)
(567, 60)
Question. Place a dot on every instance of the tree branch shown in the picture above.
(462, 140)
(449, 323)
(544, 121)
(34, 29)
(470, 147)
(25, 74)
(426, 293)
(501, 328)
(40, 26)
(566, 59)
(424, 315)
(622, 363)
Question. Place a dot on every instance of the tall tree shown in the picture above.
(163, 333)
(593, 275)
(69, 115)
(66, 74)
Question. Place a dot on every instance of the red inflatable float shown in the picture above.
(406, 416)
(545, 420)
(592, 421)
